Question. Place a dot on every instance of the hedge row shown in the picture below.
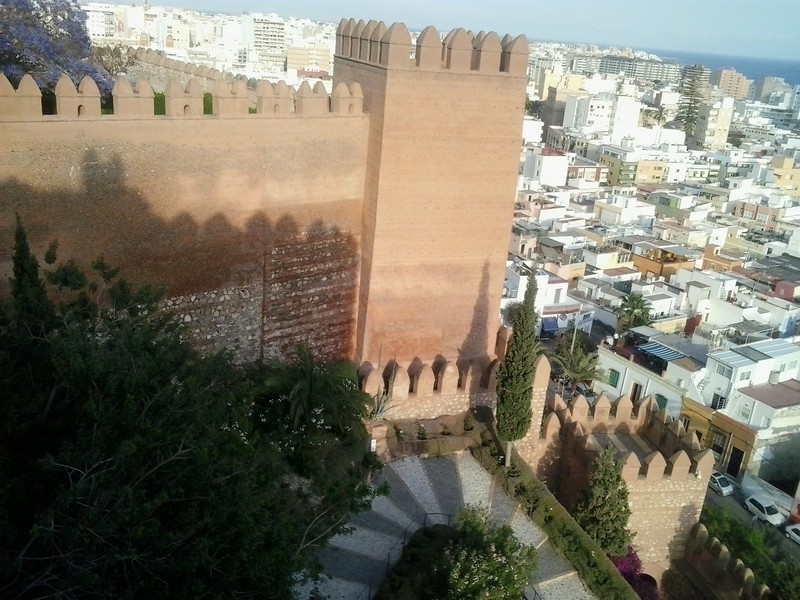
(593, 566)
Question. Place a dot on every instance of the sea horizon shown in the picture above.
(752, 67)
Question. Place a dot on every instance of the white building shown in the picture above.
(765, 361)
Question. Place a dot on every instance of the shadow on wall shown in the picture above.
(474, 347)
(676, 577)
(284, 285)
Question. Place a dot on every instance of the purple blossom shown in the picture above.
(46, 38)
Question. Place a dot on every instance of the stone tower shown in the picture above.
(442, 158)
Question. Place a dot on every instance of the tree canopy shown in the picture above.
(602, 509)
(515, 375)
(46, 38)
(577, 366)
(633, 311)
(133, 467)
(690, 101)
(476, 560)
(758, 548)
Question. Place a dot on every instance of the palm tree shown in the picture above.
(578, 366)
(310, 401)
(632, 312)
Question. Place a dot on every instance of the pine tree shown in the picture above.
(603, 510)
(689, 103)
(515, 375)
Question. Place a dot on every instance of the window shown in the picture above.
(782, 368)
(718, 442)
(718, 402)
(744, 376)
(725, 371)
(793, 364)
(613, 377)
(661, 400)
(685, 422)
(679, 383)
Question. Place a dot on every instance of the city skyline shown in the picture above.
(687, 26)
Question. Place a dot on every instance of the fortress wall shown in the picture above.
(430, 389)
(666, 475)
(444, 142)
(727, 575)
(212, 208)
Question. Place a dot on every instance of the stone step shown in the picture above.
(443, 474)
(366, 542)
(384, 517)
(414, 475)
(476, 483)
(551, 565)
(526, 531)
(503, 508)
(568, 587)
(336, 589)
(399, 495)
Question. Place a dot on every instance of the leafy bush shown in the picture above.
(593, 566)
(758, 549)
(475, 560)
(469, 422)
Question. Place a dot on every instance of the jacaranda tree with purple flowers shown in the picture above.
(46, 38)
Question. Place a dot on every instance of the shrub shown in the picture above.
(474, 560)
(469, 422)
(422, 433)
(593, 566)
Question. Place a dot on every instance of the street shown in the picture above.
(733, 505)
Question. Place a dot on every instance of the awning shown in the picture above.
(549, 324)
(662, 352)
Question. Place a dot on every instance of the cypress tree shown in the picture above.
(515, 375)
(603, 510)
(30, 303)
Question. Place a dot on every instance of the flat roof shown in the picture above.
(748, 326)
(749, 354)
(776, 395)
(654, 297)
(619, 271)
(646, 330)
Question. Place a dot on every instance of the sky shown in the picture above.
(769, 28)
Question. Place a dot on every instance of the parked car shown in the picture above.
(720, 484)
(765, 510)
(793, 532)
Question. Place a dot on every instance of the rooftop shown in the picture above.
(750, 354)
(776, 395)
(619, 271)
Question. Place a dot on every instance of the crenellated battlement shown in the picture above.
(422, 388)
(728, 576)
(459, 51)
(651, 445)
(230, 99)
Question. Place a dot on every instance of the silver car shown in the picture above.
(764, 510)
(793, 532)
(720, 484)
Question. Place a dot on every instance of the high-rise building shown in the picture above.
(767, 86)
(731, 83)
(266, 34)
(713, 125)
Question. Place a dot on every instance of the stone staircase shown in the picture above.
(425, 491)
